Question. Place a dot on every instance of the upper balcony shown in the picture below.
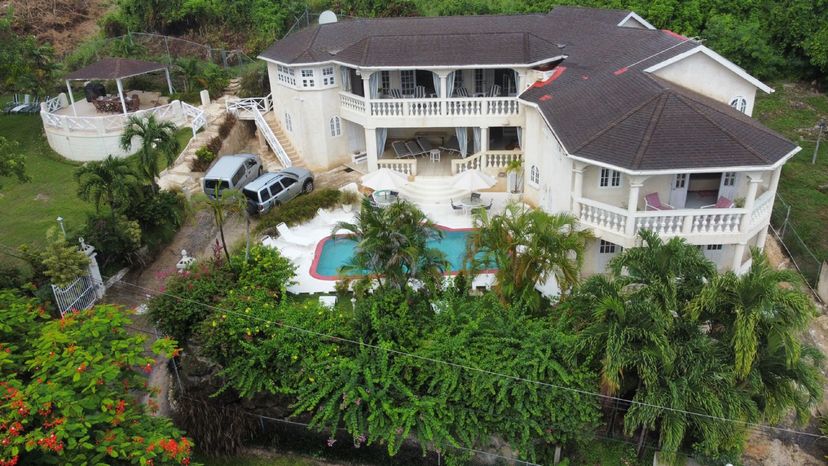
(423, 98)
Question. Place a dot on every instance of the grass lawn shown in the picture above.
(29, 209)
(794, 111)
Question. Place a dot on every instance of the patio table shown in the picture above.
(384, 197)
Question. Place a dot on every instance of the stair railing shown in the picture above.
(255, 106)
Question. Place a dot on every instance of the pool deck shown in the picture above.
(320, 228)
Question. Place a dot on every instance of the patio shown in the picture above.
(82, 108)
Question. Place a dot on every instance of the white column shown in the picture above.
(753, 185)
(636, 182)
(484, 139)
(738, 252)
(371, 148)
(169, 81)
(71, 98)
(366, 84)
(521, 81)
(121, 94)
(577, 187)
(774, 182)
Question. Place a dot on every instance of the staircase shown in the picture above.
(431, 190)
(284, 140)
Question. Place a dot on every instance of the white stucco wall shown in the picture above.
(85, 147)
(702, 74)
(543, 150)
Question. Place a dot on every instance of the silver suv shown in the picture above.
(231, 172)
(273, 189)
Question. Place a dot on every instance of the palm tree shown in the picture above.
(222, 204)
(157, 139)
(110, 180)
(392, 245)
(527, 247)
(190, 70)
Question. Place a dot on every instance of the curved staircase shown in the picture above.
(431, 190)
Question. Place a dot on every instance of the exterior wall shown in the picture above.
(541, 149)
(704, 75)
(310, 113)
(82, 147)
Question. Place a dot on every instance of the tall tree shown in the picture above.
(527, 247)
(392, 245)
(222, 204)
(110, 180)
(157, 140)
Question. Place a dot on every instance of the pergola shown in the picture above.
(115, 69)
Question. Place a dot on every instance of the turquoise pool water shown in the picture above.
(333, 254)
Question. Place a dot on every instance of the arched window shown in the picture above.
(288, 122)
(336, 127)
(739, 103)
(534, 175)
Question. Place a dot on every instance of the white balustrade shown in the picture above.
(454, 107)
(406, 166)
(263, 104)
(602, 216)
(352, 102)
(482, 160)
(761, 208)
(110, 123)
(54, 104)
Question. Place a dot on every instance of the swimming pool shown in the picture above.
(332, 254)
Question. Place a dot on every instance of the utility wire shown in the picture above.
(476, 369)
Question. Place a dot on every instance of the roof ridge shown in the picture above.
(651, 126)
(616, 122)
(684, 99)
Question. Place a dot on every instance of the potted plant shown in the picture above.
(348, 199)
(514, 176)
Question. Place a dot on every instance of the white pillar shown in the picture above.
(761, 238)
(366, 85)
(636, 182)
(521, 81)
(753, 185)
(121, 94)
(484, 139)
(94, 270)
(169, 81)
(443, 75)
(577, 187)
(371, 148)
(774, 182)
(738, 252)
(71, 98)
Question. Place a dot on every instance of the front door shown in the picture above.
(678, 190)
(727, 187)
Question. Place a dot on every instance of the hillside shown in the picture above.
(62, 23)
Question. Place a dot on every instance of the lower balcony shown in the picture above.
(698, 226)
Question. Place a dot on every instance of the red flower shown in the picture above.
(148, 368)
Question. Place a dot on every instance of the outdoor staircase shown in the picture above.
(431, 190)
(284, 140)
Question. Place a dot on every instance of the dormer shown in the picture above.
(708, 73)
(633, 20)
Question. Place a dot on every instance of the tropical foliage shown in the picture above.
(70, 390)
(111, 181)
(12, 164)
(157, 140)
(62, 262)
(223, 203)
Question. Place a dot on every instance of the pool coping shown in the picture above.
(319, 245)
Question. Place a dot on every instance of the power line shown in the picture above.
(477, 369)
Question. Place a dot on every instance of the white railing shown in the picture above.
(406, 166)
(52, 105)
(482, 160)
(255, 106)
(761, 208)
(242, 107)
(668, 222)
(431, 107)
(196, 115)
(111, 123)
(80, 294)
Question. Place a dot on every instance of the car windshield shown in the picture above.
(211, 185)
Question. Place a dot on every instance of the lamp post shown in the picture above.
(822, 127)
(62, 229)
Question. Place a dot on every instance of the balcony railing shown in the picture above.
(483, 160)
(431, 107)
(115, 123)
(680, 222)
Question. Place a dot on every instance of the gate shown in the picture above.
(80, 294)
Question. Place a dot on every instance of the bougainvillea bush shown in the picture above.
(70, 390)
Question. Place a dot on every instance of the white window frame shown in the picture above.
(729, 179)
(335, 126)
(609, 178)
(288, 122)
(408, 81)
(739, 103)
(534, 176)
(479, 81)
(308, 78)
(606, 247)
(714, 247)
(458, 79)
(328, 76)
(385, 80)
(286, 75)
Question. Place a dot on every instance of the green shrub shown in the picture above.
(227, 125)
(214, 145)
(203, 158)
(114, 241)
(12, 277)
(254, 82)
(63, 262)
(298, 210)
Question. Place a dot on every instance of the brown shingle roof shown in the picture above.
(115, 68)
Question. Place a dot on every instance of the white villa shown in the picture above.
(623, 125)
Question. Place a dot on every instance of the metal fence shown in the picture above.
(80, 294)
(803, 258)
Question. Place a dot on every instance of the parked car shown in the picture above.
(274, 189)
(231, 172)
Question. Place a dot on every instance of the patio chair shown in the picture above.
(401, 149)
(21, 106)
(12, 103)
(475, 196)
(721, 203)
(494, 91)
(652, 202)
(395, 93)
(34, 106)
(460, 92)
(425, 145)
(456, 208)
(286, 234)
(414, 148)
(135, 103)
(419, 92)
(452, 145)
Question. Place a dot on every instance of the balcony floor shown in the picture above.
(83, 108)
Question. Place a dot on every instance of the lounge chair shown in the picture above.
(12, 103)
(494, 91)
(452, 145)
(395, 93)
(460, 92)
(291, 237)
(419, 92)
(415, 148)
(401, 149)
(721, 203)
(652, 202)
(456, 208)
(425, 145)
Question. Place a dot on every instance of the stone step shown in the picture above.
(432, 190)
